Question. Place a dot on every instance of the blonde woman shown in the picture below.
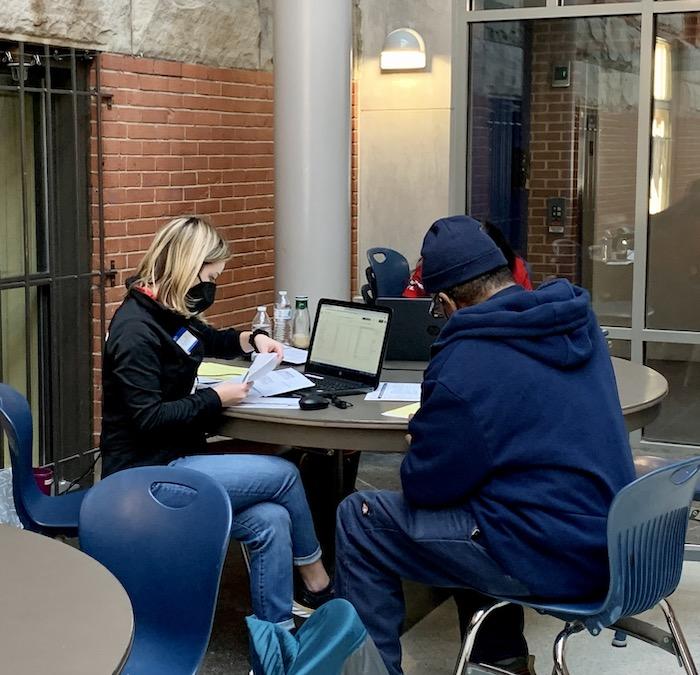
(153, 415)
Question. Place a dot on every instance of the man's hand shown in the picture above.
(232, 393)
(409, 438)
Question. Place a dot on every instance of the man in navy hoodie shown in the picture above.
(515, 455)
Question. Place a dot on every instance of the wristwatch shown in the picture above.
(254, 334)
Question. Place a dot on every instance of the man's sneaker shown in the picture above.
(306, 601)
(520, 665)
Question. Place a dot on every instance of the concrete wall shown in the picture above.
(403, 126)
(230, 33)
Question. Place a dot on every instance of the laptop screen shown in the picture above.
(349, 338)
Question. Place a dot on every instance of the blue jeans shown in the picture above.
(380, 540)
(271, 517)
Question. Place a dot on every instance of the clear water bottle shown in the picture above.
(283, 319)
(262, 320)
(301, 325)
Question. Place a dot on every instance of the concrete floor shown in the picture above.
(431, 641)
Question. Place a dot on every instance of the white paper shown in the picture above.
(295, 355)
(261, 366)
(395, 391)
(269, 403)
(280, 382)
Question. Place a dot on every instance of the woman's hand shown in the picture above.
(232, 393)
(266, 345)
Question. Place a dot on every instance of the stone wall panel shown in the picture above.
(103, 25)
(224, 33)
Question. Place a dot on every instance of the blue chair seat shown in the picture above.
(566, 611)
(58, 515)
(36, 511)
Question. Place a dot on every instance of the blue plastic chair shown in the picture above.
(332, 642)
(169, 558)
(390, 272)
(647, 524)
(36, 511)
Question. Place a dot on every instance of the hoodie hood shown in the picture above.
(553, 324)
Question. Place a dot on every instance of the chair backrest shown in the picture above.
(163, 532)
(391, 271)
(647, 525)
(16, 423)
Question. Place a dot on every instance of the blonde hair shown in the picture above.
(175, 257)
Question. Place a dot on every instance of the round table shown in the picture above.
(61, 612)
(363, 427)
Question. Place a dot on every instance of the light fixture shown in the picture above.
(404, 49)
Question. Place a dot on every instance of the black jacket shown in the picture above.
(149, 413)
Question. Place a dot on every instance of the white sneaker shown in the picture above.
(301, 611)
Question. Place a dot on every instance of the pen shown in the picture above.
(381, 389)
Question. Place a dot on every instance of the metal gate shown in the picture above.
(52, 271)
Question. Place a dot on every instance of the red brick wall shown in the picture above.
(553, 154)
(187, 139)
(617, 169)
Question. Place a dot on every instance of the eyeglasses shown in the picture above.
(435, 310)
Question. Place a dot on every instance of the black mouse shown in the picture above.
(313, 402)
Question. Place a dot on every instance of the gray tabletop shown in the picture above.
(363, 427)
(62, 612)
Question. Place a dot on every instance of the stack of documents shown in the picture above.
(270, 382)
(269, 403)
(395, 391)
(211, 373)
(265, 379)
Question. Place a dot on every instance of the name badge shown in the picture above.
(185, 340)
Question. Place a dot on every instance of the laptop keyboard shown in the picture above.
(332, 385)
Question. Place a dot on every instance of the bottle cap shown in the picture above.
(302, 297)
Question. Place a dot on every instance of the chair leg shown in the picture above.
(246, 557)
(470, 636)
(619, 639)
(684, 655)
(560, 647)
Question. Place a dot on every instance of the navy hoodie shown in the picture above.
(520, 423)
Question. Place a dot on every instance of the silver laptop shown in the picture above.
(347, 347)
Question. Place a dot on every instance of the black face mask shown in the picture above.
(201, 296)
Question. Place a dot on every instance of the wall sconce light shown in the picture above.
(404, 49)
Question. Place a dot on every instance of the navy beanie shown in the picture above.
(456, 250)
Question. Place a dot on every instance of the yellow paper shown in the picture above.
(219, 370)
(404, 411)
